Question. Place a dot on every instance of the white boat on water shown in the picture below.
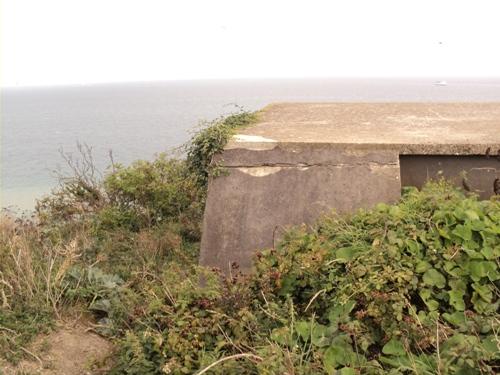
(440, 83)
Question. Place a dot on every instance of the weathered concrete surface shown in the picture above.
(246, 207)
(301, 160)
(411, 128)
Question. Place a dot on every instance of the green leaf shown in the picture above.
(458, 284)
(480, 305)
(451, 268)
(473, 254)
(433, 277)
(490, 346)
(340, 313)
(457, 299)
(463, 231)
(457, 318)
(413, 247)
(340, 353)
(319, 335)
(484, 291)
(426, 294)
(396, 362)
(304, 329)
(347, 371)
(472, 215)
(394, 347)
(444, 232)
(488, 253)
(422, 266)
(281, 335)
(347, 254)
(288, 284)
(479, 269)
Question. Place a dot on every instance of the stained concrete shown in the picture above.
(301, 160)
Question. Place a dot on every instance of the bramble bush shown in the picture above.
(407, 288)
(400, 289)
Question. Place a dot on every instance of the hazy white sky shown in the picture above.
(85, 41)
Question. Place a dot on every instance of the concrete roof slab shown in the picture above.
(408, 128)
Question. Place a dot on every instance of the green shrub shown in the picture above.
(149, 193)
(382, 291)
(209, 141)
(411, 287)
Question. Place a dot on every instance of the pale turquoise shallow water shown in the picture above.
(137, 120)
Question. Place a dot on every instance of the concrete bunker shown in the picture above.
(302, 160)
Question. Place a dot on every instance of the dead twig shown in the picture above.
(236, 356)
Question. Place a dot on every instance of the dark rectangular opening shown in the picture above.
(475, 173)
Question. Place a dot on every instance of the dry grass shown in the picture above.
(33, 270)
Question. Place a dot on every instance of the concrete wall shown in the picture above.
(249, 206)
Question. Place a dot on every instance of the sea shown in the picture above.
(139, 120)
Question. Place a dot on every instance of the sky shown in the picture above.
(54, 42)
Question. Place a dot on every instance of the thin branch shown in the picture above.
(314, 297)
(236, 356)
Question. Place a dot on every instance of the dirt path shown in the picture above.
(69, 350)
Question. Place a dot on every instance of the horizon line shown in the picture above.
(145, 81)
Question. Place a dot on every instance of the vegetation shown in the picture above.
(410, 288)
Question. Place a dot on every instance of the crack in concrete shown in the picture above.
(309, 165)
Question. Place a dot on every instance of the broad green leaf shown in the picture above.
(288, 284)
(445, 233)
(490, 345)
(479, 269)
(477, 226)
(340, 353)
(473, 254)
(463, 231)
(452, 269)
(484, 291)
(394, 347)
(480, 305)
(304, 329)
(488, 252)
(458, 284)
(457, 318)
(413, 247)
(396, 362)
(347, 371)
(346, 254)
(433, 277)
(422, 266)
(340, 313)
(472, 215)
(457, 299)
(319, 335)
(426, 294)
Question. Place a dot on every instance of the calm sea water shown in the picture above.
(138, 120)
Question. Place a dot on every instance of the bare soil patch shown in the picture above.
(72, 349)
